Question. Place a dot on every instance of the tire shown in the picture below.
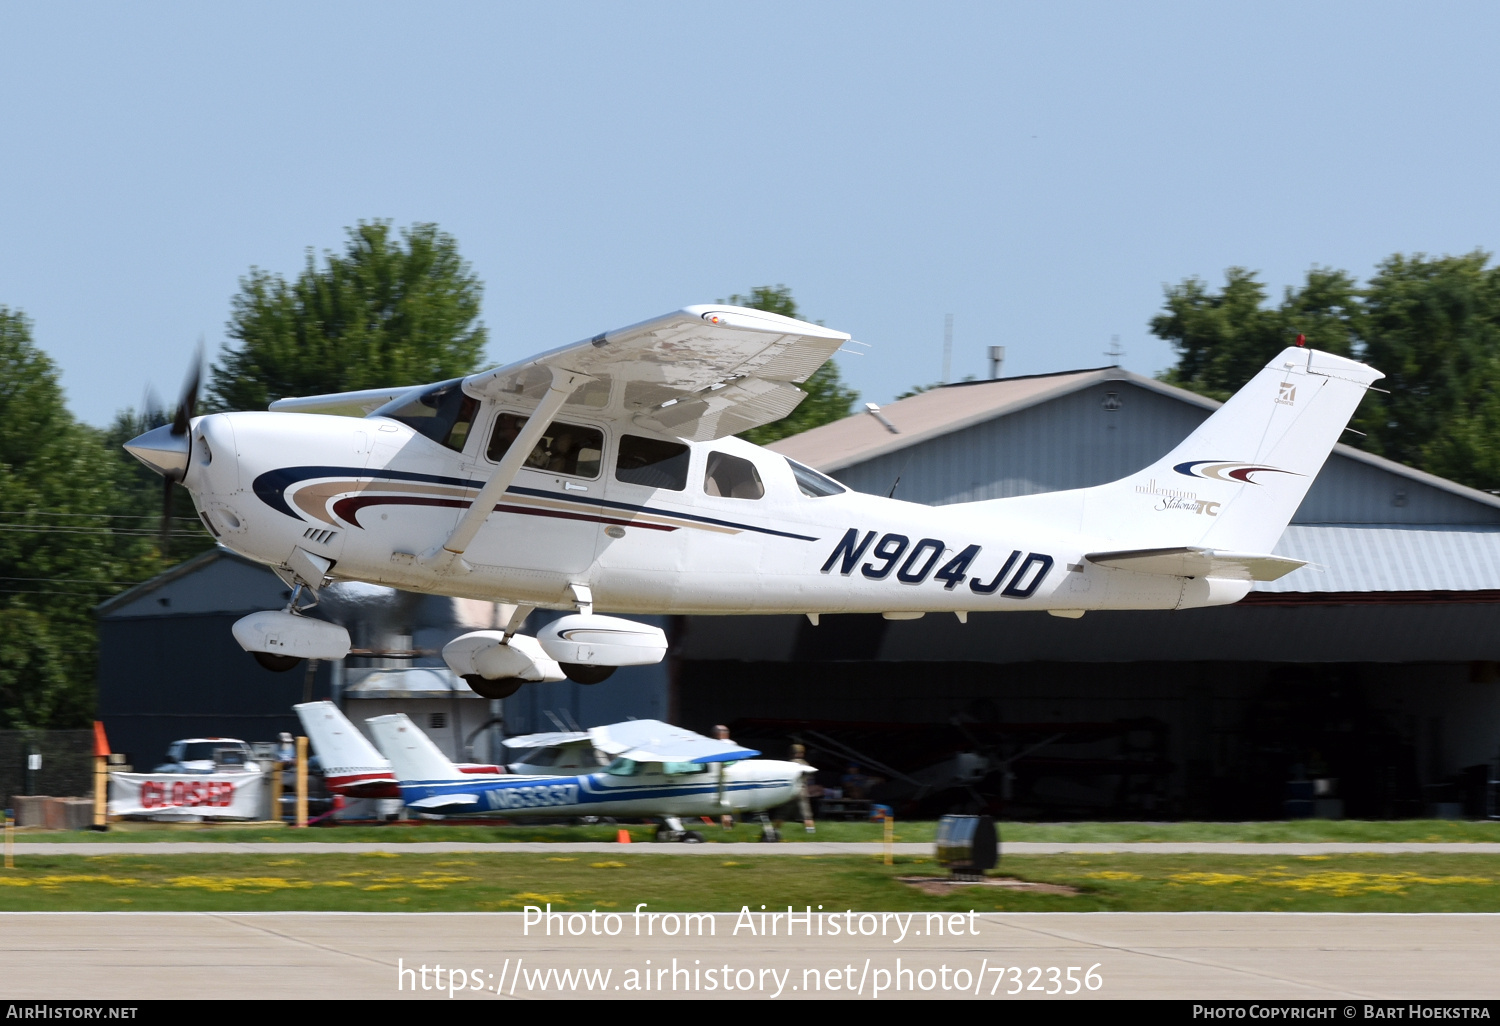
(579, 673)
(691, 837)
(663, 835)
(486, 688)
(276, 663)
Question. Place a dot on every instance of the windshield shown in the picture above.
(443, 413)
(204, 750)
(812, 483)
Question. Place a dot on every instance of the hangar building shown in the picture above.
(1365, 681)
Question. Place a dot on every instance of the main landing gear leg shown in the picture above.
(671, 830)
(768, 832)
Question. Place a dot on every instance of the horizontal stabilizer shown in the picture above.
(443, 801)
(1191, 561)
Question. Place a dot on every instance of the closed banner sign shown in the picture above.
(210, 795)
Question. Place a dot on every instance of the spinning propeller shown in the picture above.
(166, 449)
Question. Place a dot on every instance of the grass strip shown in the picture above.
(1303, 830)
(394, 881)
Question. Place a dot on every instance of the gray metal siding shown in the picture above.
(1350, 492)
(1071, 442)
(1074, 442)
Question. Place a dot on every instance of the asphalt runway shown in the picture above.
(736, 848)
(1338, 958)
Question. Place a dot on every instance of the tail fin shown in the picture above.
(1235, 483)
(413, 755)
(339, 745)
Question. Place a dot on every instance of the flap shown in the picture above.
(1191, 561)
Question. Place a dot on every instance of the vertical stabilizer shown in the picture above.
(341, 749)
(412, 754)
(1234, 484)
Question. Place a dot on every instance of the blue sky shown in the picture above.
(1037, 170)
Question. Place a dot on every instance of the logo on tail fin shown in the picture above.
(1216, 470)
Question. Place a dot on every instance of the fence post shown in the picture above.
(301, 782)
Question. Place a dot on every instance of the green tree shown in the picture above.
(828, 398)
(387, 311)
(67, 540)
(1433, 327)
(1222, 339)
(1430, 324)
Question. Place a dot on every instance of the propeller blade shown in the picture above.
(166, 514)
(189, 401)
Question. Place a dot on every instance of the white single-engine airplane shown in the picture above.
(603, 474)
(659, 770)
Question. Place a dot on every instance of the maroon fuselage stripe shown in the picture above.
(347, 509)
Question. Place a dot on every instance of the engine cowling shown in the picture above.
(489, 656)
(588, 639)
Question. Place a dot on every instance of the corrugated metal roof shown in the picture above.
(1389, 559)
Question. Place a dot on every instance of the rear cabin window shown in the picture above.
(564, 449)
(652, 462)
(731, 477)
(443, 413)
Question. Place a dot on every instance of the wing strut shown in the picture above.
(563, 384)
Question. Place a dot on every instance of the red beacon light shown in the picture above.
(1301, 340)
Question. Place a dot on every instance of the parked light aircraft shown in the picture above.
(604, 475)
(350, 764)
(659, 771)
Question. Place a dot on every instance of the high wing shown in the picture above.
(702, 372)
(1191, 561)
(655, 741)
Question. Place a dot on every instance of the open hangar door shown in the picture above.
(1136, 740)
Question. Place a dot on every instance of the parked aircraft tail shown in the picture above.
(412, 754)
(341, 749)
(1233, 485)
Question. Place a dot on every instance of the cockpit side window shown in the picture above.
(564, 449)
(623, 767)
(813, 484)
(731, 477)
(443, 413)
(652, 462)
(673, 769)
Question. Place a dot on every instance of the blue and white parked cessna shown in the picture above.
(659, 771)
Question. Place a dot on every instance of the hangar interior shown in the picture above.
(1364, 684)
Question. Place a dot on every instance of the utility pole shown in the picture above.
(947, 348)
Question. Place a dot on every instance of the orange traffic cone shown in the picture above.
(623, 837)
